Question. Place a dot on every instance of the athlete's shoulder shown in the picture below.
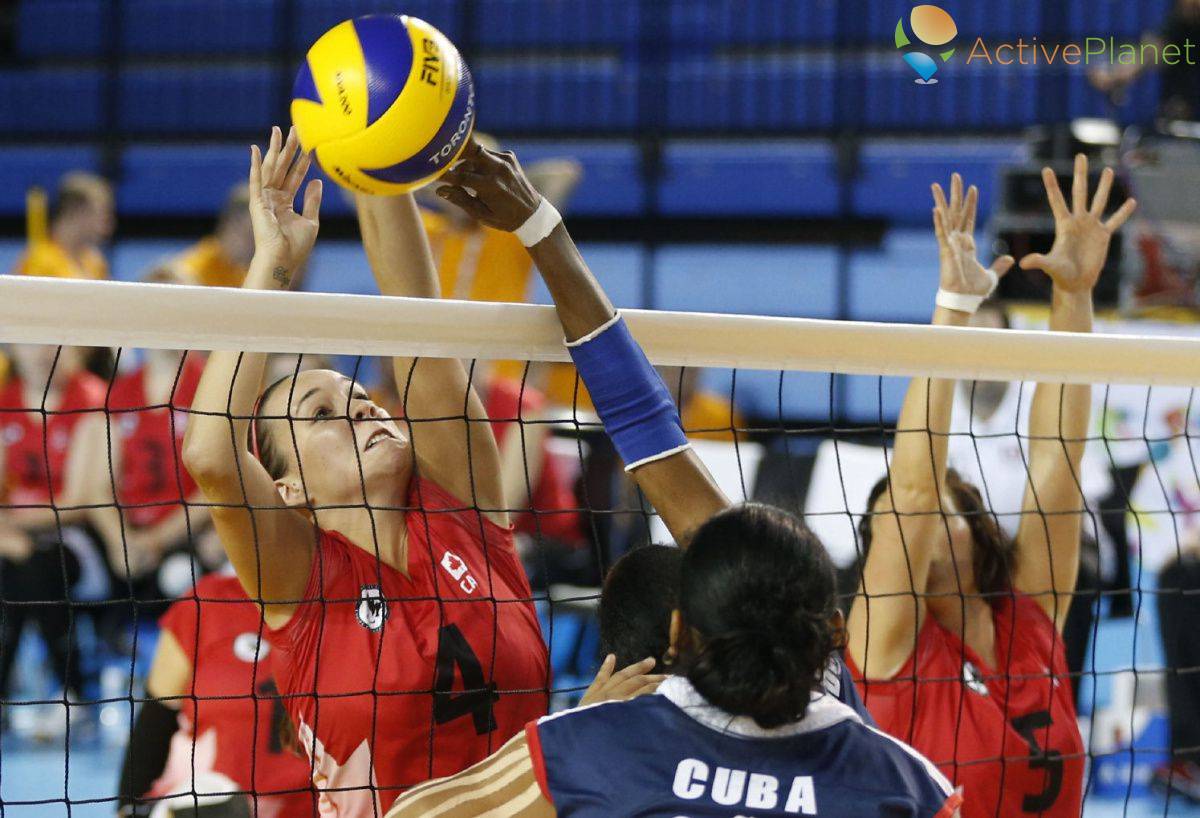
(890, 761)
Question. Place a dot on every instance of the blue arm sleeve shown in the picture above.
(633, 402)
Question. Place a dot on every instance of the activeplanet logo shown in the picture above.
(924, 36)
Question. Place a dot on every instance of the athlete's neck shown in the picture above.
(969, 617)
(377, 528)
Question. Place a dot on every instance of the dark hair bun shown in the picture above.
(759, 589)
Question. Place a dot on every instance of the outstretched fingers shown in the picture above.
(1002, 265)
(295, 176)
(1079, 186)
(1118, 219)
(312, 200)
(1055, 195)
(279, 173)
(1103, 191)
(256, 161)
(271, 158)
(969, 208)
(459, 196)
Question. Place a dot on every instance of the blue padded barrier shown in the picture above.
(61, 101)
(751, 94)
(22, 167)
(794, 280)
(201, 100)
(618, 267)
(556, 24)
(42, 32)
(611, 184)
(193, 27)
(315, 17)
(716, 23)
(749, 178)
(895, 175)
(189, 180)
(598, 94)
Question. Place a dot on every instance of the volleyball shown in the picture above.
(386, 102)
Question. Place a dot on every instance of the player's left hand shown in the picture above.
(627, 683)
(1081, 239)
(491, 187)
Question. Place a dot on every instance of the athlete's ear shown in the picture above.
(838, 623)
(292, 493)
(675, 633)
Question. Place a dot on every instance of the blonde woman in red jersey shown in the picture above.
(406, 642)
(957, 633)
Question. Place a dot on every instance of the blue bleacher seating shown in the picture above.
(22, 167)
(792, 395)
(717, 23)
(1115, 18)
(612, 174)
(749, 178)
(54, 101)
(555, 24)
(197, 100)
(897, 281)
(751, 94)
(619, 269)
(315, 17)
(62, 28)
(191, 180)
(199, 27)
(550, 94)
(895, 175)
(871, 400)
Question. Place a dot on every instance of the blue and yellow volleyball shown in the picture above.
(386, 102)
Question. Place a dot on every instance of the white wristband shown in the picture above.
(961, 302)
(539, 225)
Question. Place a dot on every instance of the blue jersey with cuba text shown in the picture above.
(673, 755)
(840, 684)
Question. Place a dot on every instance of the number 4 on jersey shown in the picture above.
(477, 696)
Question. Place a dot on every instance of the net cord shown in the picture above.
(161, 316)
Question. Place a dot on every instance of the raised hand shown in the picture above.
(1081, 239)
(282, 235)
(954, 225)
(491, 187)
(627, 683)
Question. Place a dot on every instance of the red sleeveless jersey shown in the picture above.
(153, 481)
(35, 451)
(1008, 735)
(232, 725)
(395, 680)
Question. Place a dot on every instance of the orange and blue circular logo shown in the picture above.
(926, 36)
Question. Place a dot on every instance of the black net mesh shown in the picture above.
(100, 615)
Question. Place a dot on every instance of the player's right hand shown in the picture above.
(491, 187)
(282, 235)
(954, 225)
(627, 683)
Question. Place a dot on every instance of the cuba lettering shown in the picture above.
(728, 787)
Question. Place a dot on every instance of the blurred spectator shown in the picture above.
(1180, 97)
(82, 221)
(221, 260)
(54, 471)
(148, 410)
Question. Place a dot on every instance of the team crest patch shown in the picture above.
(372, 608)
(973, 679)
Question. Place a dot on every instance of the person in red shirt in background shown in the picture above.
(53, 463)
(166, 526)
(213, 712)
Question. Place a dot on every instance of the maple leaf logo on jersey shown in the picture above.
(372, 608)
(973, 680)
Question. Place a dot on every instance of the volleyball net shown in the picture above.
(794, 412)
